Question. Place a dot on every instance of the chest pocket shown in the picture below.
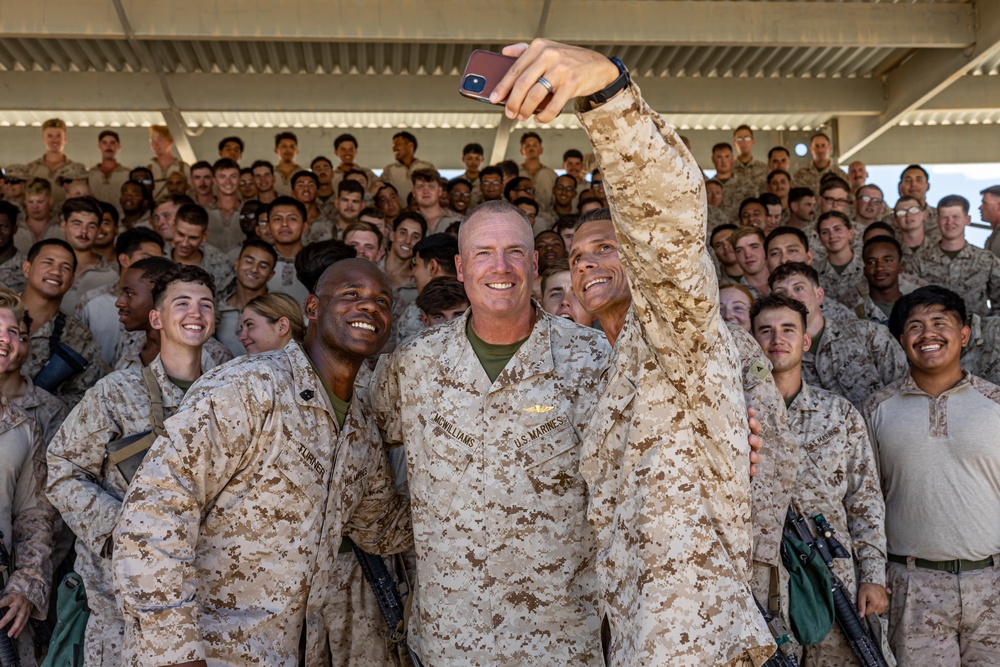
(302, 472)
(547, 470)
(442, 472)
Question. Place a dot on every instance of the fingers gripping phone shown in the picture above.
(483, 72)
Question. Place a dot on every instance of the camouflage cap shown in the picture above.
(18, 171)
(74, 171)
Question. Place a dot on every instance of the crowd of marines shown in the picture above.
(539, 398)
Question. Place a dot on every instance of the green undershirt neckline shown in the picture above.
(814, 346)
(340, 407)
(494, 358)
(183, 385)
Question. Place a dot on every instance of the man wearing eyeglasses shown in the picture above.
(745, 167)
(868, 205)
(910, 219)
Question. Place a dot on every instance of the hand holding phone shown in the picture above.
(571, 71)
(483, 72)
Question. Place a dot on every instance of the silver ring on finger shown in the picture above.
(545, 84)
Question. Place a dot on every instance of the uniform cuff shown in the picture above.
(873, 571)
(628, 97)
(33, 590)
(168, 637)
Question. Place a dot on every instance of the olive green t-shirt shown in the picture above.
(183, 385)
(340, 407)
(494, 358)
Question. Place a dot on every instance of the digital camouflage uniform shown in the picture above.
(838, 284)
(88, 490)
(78, 337)
(225, 230)
(27, 519)
(860, 302)
(981, 356)
(734, 191)
(854, 359)
(227, 534)
(504, 552)
(38, 168)
(838, 478)
(11, 275)
(398, 176)
(771, 489)
(810, 175)
(753, 172)
(213, 353)
(665, 456)
(409, 323)
(47, 410)
(544, 181)
(974, 274)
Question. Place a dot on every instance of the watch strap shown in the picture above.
(615, 87)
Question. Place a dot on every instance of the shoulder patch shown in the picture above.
(759, 369)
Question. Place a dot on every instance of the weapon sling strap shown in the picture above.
(58, 325)
(155, 420)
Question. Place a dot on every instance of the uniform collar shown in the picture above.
(533, 358)
(804, 401)
(172, 395)
(307, 386)
(11, 416)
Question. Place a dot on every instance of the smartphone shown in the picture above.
(482, 74)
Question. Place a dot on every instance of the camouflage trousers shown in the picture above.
(358, 634)
(937, 619)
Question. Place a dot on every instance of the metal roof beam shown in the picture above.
(920, 79)
(96, 91)
(680, 22)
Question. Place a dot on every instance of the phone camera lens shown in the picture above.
(474, 83)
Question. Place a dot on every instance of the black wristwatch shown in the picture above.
(615, 87)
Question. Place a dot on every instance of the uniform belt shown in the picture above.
(950, 566)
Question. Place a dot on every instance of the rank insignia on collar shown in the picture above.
(539, 409)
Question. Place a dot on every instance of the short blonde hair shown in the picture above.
(57, 123)
(162, 130)
(275, 305)
(9, 300)
(38, 186)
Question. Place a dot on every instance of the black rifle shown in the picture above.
(375, 571)
(8, 651)
(850, 622)
(785, 655)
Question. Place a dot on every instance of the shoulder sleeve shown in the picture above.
(75, 461)
(656, 194)
(384, 391)
(157, 532)
(34, 521)
(864, 502)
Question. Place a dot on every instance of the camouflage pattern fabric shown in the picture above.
(227, 534)
(504, 552)
(665, 456)
(88, 490)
